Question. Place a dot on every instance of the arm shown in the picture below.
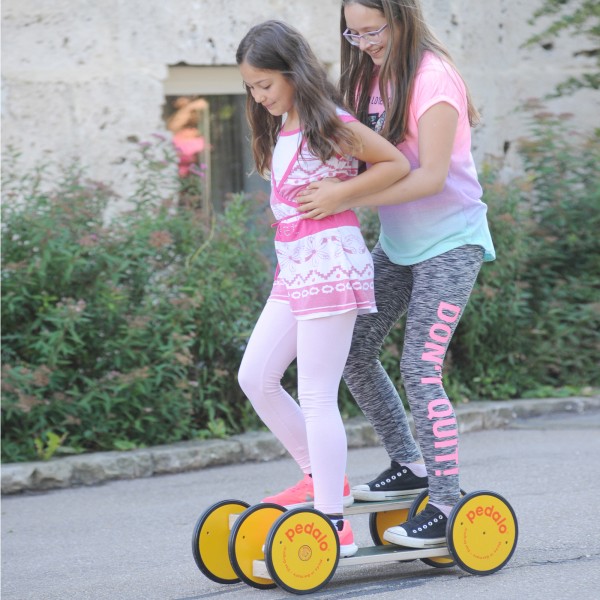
(182, 116)
(437, 129)
(388, 166)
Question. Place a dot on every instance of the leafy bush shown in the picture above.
(129, 333)
(533, 322)
(124, 334)
(486, 355)
(563, 269)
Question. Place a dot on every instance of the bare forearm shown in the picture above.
(417, 184)
(373, 180)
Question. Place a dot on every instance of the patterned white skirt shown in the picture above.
(324, 267)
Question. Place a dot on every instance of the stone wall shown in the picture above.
(81, 77)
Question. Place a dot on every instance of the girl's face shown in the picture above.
(269, 88)
(360, 20)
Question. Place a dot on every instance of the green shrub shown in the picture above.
(486, 354)
(129, 333)
(563, 267)
(124, 334)
(533, 322)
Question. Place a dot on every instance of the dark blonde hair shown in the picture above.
(409, 39)
(276, 46)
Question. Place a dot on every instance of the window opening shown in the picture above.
(211, 137)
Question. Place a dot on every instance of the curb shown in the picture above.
(97, 468)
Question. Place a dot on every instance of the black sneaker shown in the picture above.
(395, 482)
(425, 530)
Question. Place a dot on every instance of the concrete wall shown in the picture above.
(81, 77)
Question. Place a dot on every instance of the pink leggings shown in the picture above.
(313, 431)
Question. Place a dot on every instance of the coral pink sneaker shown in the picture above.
(347, 545)
(303, 494)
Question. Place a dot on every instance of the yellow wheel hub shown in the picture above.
(302, 551)
(482, 532)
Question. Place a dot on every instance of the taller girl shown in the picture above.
(401, 81)
(324, 278)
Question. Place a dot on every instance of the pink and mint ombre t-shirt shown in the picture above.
(412, 232)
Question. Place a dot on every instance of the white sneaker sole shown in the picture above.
(408, 542)
(349, 550)
(369, 496)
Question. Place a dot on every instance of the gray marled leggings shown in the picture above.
(434, 294)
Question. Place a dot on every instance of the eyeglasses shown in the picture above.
(371, 37)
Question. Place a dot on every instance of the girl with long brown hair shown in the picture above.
(324, 279)
(401, 81)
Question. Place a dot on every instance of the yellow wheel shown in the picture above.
(247, 542)
(482, 532)
(210, 540)
(380, 521)
(302, 550)
(440, 562)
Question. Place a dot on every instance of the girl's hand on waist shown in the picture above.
(321, 199)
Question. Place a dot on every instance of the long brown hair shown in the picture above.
(276, 46)
(409, 39)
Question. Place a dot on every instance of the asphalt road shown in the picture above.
(131, 540)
